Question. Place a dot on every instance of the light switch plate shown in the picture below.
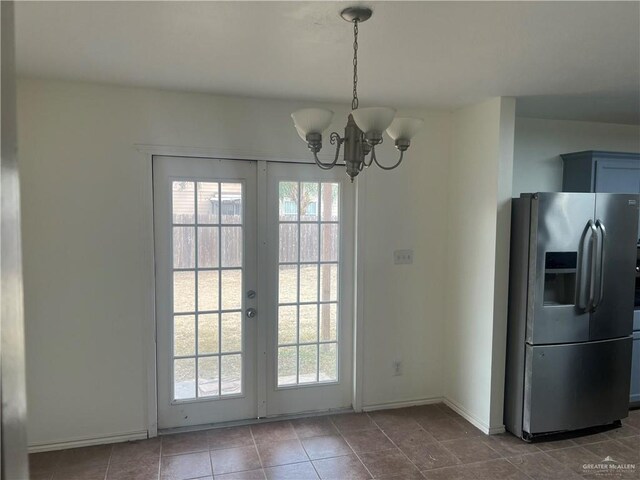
(402, 257)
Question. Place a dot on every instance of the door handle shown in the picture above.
(594, 267)
(251, 312)
(585, 293)
(602, 238)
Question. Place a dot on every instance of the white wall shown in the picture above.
(502, 250)
(477, 258)
(539, 143)
(86, 244)
(404, 304)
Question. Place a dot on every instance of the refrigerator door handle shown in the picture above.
(602, 238)
(585, 287)
(593, 268)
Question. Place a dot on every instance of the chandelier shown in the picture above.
(364, 125)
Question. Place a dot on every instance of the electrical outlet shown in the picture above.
(397, 367)
(402, 257)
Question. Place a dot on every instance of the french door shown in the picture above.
(205, 239)
(310, 266)
(254, 309)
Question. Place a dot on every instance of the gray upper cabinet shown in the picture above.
(606, 172)
(601, 172)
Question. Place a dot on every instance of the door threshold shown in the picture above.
(253, 421)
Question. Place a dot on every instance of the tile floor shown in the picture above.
(425, 442)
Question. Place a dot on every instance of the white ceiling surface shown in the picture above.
(563, 59)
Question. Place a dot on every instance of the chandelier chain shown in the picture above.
(354, 102)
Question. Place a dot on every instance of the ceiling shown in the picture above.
(576, 60)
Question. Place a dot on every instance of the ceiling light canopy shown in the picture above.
(364, 126)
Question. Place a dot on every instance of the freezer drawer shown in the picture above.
(573, 386)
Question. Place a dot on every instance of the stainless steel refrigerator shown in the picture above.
(571, 301)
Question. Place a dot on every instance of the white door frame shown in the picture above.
(149, 322)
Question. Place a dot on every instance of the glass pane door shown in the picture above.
(205, 263)
(217, 324)
(310, 273)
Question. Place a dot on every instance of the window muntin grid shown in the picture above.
(207, 251)
(308, 274)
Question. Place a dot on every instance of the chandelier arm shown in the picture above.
(365, 153)
(373, 155)
(324, 166)
(335, 138)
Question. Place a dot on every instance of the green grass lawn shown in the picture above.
(230, 333)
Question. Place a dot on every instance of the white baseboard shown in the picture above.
(142, 434)
(402, 404)
(87, 441)
(476, 422)
(496, 430)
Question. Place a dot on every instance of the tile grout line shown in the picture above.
(440, 443)
(447, 450)
(209, 453)
(354, 451)
(302, 446)
(305, 450)
(469, 438)
(529, 454)
(337, 434)
(395, 445)
(519, 469)
(500, 457)
(255, 445)
(618, 442)
(435, 440)
(463, 464)
(106, 473)
(516, 467)
(160, 461)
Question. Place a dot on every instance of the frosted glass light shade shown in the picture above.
(311, 120)
(404, 127)
(300, 133)
(373, 119)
